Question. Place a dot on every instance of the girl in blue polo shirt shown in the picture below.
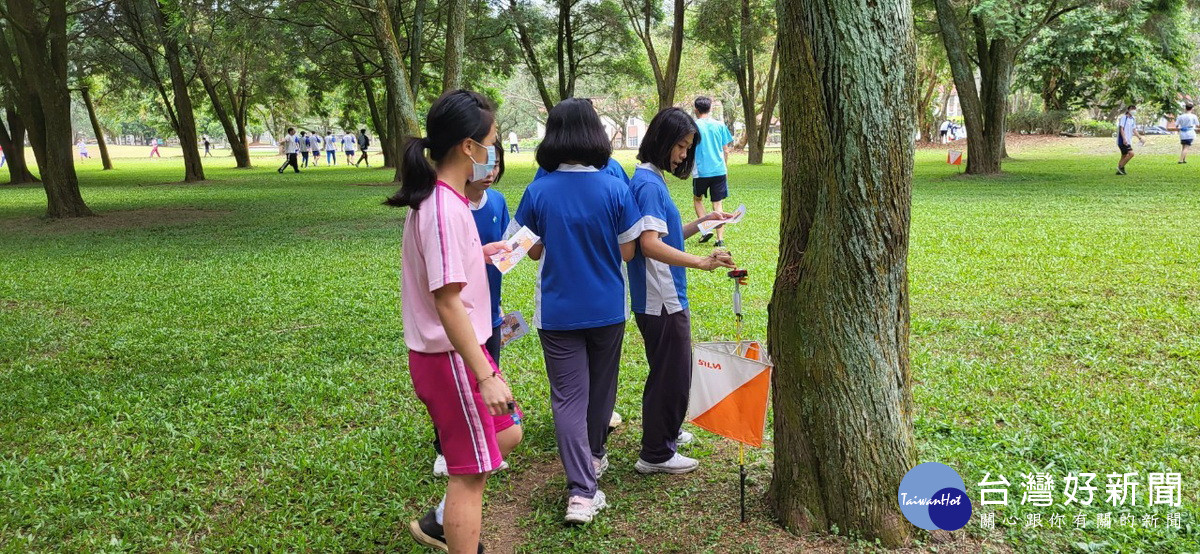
(613, 168)
(658, 287)
(589, 223)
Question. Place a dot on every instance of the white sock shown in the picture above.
(440, 512)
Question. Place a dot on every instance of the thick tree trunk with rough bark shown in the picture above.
(839, 322)
(100, 144)
(12, 140)
(185, 118)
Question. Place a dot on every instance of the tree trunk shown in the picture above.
(670, 78)
(40, 44)
(764, 126)
(241, 154)
(456, 38)
(984, 108)
(237, 143)
(100, 144)
(529, 53)
(377, 120)
(400, 99)
(666, 78)
(185, 118)
(12, 140)
(416, 48)
(838, 318)
(389, 143)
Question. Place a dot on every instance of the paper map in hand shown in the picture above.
(520, 243)
(512, 328)
(707, 227)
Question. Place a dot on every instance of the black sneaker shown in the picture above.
(719, 244)
(706, 238)
(1120, 171)
(428, 532)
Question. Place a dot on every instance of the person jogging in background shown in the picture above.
(154, 148)
(1187, 124)
(290, 145)
(207, 147)
(1126, 130)
(83, 151)
(514, 145)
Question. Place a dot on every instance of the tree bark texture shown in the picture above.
(838, 319)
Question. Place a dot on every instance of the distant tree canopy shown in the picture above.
(235, 70)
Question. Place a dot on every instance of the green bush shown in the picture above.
(1094, 128)
(1037, 122)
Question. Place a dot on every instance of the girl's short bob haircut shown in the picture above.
(665, 131)
(574, 134)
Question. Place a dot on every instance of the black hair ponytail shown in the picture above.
(454, 117)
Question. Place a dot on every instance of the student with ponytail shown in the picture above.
(445, 303)
(589, 223)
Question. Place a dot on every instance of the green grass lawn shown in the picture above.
(220, 366)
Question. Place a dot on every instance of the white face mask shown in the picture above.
(480, 171)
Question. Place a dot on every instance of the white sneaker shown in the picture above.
(676, 465)
(600, 465)
(684, 438)
(582, 510)
(439, 467)
(615, 421)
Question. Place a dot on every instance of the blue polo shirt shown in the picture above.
(710, 152)
(654, 285)
(583, 216)
(613, 168)
(491, 218)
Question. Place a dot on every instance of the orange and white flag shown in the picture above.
(731, 383)
(954, 157)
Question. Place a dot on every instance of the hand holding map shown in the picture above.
(707, 227)
(520, 243)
